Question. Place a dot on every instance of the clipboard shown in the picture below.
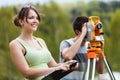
(58, 74)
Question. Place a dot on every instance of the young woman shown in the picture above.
(29, 53)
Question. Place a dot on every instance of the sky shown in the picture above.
(12, 2)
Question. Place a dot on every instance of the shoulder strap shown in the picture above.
(23, 44)
(39, 42)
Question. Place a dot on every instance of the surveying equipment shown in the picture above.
(95, 38)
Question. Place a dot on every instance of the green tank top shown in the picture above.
(36, 58)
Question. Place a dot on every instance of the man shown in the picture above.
(75, 48)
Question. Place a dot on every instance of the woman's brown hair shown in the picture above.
(23, 13)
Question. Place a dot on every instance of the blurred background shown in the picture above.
(56, 25)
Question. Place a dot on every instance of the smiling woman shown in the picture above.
(29, 53)
(27, 13)
(32, 19)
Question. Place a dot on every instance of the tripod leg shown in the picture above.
(93, 69)
(86, 73)
(108, 69)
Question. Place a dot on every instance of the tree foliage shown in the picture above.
(115, 40)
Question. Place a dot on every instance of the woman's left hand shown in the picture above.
(73, 64)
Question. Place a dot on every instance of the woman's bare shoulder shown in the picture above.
(14, 43)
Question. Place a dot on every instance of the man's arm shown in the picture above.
(70, 52)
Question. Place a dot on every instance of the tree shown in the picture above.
(7, 32)
(115, 40)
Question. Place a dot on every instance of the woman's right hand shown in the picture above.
(66, 66)
(63, 66)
